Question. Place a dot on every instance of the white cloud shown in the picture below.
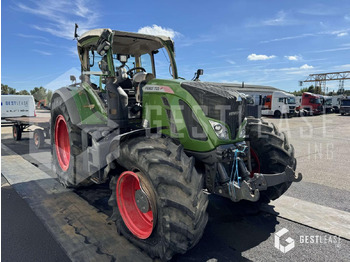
(41, 52)
(342, 67)
(279, 20)
(322, 33)
(158, 30)
(254, 57)
(347, 17)
(306, 66)
(230, 61)
(62, 15)
(32, 36)
(342, 34)
(293, 57)
(331, 50)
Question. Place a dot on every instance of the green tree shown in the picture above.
(311, 89)
(49, 96)
(318, 90)
(12, 91)
(4, 89)
(301, 91)
(39, 93)
(23, 92)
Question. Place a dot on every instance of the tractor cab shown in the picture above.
(129, 57)
(124, 62)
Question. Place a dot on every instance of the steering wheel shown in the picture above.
(129, 72)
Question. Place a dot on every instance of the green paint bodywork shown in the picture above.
(93, 112)
(83, 101)
(154, 111)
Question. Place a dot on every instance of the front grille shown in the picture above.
(218, 103)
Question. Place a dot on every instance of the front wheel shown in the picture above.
(277, 114)
(272, 152)
(158, 204)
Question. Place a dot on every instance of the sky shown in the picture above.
(265, 42)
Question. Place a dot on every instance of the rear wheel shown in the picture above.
(272, 152)
(158, 204)
(66, 147)
(38, 138)
(16, 132)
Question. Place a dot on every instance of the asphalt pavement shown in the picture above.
(23, 236)
(235, 234)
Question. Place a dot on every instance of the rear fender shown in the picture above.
(69, 101)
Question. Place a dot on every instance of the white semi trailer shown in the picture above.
(279, 104)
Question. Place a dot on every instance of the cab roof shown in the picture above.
(127, 42)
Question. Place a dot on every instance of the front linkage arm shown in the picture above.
(250, 189)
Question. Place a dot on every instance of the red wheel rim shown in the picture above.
(255, 162)
(36, 139)
(140, 224)
(14, 132)
(62, 142)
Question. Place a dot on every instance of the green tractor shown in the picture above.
(164, 145)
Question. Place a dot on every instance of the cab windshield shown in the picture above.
(345, 102)
(290, 100)
(328, 102)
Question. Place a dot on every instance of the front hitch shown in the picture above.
(250, 189)
(263, 181)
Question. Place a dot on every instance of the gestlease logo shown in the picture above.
(289, 240)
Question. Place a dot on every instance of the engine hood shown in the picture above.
(207, 88)
(218, 102)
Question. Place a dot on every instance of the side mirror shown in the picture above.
(73, 79)
(197, 74)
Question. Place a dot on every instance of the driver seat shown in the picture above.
(122, 78)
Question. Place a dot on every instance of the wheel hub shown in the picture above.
(136, 203)
(142, 201)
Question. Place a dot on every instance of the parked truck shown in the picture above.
(279, 104)
(161, 142)
(310, 104)
(336, 102)
(345, 106)
(327, 105)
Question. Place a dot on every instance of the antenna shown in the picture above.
(75, 31)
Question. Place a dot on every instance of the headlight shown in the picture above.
(220, 130)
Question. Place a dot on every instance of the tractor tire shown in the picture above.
(179, 203)
(273, 153)
(66, 142)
